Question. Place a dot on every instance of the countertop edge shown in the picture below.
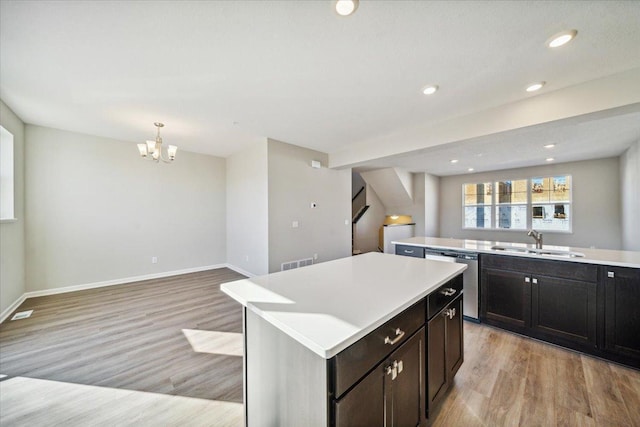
(584, 260)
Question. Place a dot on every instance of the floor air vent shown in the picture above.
(288, 265)
(295, 264)
(22, 315)
(305, 262)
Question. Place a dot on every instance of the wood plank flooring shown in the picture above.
(124, 355)
(130, 337)
(509, 380)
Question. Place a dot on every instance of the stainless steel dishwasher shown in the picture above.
(470, 301)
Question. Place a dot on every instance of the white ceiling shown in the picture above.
(224, 74)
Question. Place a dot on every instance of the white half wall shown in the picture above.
(367, 228)
(630, 194)
(248, 210)
(12, 233)
(293, 185)
(96, 211)
(595, 207)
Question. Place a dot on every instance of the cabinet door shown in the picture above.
(563, 310)
(363, 406)
(622, 312)
(404, 392)
(455, 340)
(506, 298)
(436, 357)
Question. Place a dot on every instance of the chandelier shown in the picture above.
(152, 150)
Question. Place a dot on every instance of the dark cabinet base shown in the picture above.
(584, 307)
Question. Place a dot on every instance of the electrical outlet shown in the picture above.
(315, 257)
(294, 224)
(154, 260)
(246, 258)
(313, 205)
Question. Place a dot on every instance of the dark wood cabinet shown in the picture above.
(413, 251)
(622, 313)
(445, 350)
(563, 310)
(555, 301)
(392, 394)
(506, 298)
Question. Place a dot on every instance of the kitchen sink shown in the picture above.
(510, 248)
(536, 251)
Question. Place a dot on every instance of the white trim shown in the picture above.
(239, 270)
(122, 281)
(7, 311)
(3, 220)
(114, 282)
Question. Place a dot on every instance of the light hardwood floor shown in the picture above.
(126, 355)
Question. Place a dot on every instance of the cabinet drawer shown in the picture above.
(438, 299)
(355, 361)
(414, 251)
(560, 269)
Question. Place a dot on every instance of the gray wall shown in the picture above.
(595, 208)
(12, 237)
(630, 194)
(247, 210)
(96, 211)
(431, 205)
(293, 185)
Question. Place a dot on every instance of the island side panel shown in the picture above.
(286, 383)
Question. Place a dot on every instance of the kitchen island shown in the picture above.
(344, 342)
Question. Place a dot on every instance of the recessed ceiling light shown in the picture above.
(346, 7)
(430, 90)
(561, 38)
(549, 145)
(470, 169)
(535, 86)
(454, 160)
(550, 159)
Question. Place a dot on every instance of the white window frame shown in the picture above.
(7, 177)
(529, 206)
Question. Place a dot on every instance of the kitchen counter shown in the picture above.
(329, 306)
(591, 256)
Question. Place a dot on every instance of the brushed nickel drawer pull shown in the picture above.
(448, 292)
(408, 252)
(399, 335)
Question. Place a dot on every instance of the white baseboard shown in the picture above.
(239, 270)
(7, 311)
(122, 281)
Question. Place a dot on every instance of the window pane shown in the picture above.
(512, 217)
(540, 188)
(477, 194)
(477, 217)
(560, 189)
(512, 191)
(551, 217)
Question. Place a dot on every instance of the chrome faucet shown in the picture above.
(537, 237)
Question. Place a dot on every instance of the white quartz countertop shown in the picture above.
(329, 306)
(591, 256)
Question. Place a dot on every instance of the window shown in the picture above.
(477, 205)
(539, 203)
(511, 212)
(551, 203)
(6, 174)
